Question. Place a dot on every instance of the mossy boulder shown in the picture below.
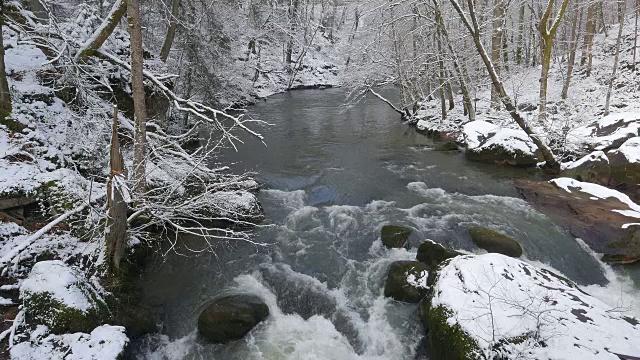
(495, 242)
(447, 146)
(593, 168)
(445, 341)
(231, 317)
(394, 236)
(625, 167)
(61, 298)
(407, 281)
(432, 254)
(504, 146)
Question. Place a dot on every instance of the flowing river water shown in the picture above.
(332, 177)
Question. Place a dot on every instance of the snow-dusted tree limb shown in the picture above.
(201, 111)
(386, 101)
(102, 33)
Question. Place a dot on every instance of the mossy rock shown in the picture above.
(593, 168)
(394, 236)
(42, 308)
(406, 281)
(11, 123)
(138, 321)
(500, 155)
(231, 318)
(445, 341)
(447, 146)
(432, 254)
(495, 242)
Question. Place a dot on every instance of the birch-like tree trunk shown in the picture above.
(102, 33)
(635, 35)
(293, 11)
(139, 106)
(547, 34)
(171, 30)
(116, 226)
(590, 31)
(471, 23)
(622, 4)
(5, 96)
(520, 42)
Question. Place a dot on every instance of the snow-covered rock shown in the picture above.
(625, 165)
(105, 342)
(495, 307)
(487, 142)
(593, 167)
(609, 132)
(61, 298)
(407, 281)
(236, 205)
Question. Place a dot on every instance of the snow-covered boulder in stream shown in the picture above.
(490, 143)
(495, 307)
(609, 132)
(233, 206)
(625, 165)
(61, 298)
(105, 342)
(593, 168)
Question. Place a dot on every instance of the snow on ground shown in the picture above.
(510, 307)
(105, 342)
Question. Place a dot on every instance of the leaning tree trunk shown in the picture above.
(622, 4)
(116, 226)
(171, 30)
(5, 96)
(552, 164)
(102, 33)
(139, 106)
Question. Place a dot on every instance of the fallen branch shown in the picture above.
(387, 102)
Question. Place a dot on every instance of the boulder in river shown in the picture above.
(495, 242)
(593, 213)
(394, 236)
(594, 168)
(231, 317)
(432, 254)
(407, 281)
(496, 307)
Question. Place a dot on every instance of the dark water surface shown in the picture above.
(332, 178)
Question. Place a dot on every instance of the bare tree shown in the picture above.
(575, 29)
(496, 47)
(587, 45)
(622, 4)
(471, 23)
(139, 105)
(171, 30)
(5, 96)
(102, 33)
(547, 34)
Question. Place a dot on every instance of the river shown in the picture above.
(332, 177)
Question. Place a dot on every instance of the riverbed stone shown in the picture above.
(407, 281)
(231, 317)
(489, 143)
(432, 254)
(495, 242)
(449, 145)
(394, 236)
(594, 168)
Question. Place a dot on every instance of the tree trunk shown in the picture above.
(622, 4)
(116, 226)
(635, 37)
(293, 9)
(139, 106)
(171, 30)
(552, 164)
(496, 46)
(5, 96)
(102, 33)
(587, 45)
(547, 35)
(520, 44)
(575, 29)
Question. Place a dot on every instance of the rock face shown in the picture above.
(594, 168)
(495, 307)
(432, 254)
(598, 220)
(230, 318)
(394, 236)
(495, 242)
(59, 297)
(490, 143)
(625, 166)
(407, 281)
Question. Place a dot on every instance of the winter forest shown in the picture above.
(320, 179)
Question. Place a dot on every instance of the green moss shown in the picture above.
(12, 124)
(447, 342)
(394, 236)
(42, 308)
